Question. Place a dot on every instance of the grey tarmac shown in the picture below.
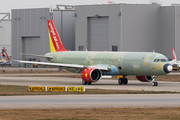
(90, 101)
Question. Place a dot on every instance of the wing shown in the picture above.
(58, 64)
(64, 65)
(42, 56)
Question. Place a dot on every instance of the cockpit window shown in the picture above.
(161, 60)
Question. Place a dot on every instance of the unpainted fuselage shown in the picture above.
(119, 63)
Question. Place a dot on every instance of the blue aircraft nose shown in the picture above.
(167, 68)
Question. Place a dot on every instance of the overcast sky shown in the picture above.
(7, 5)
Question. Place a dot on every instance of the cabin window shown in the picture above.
(120, 68)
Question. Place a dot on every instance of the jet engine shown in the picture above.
(144, 78)
(91, 74)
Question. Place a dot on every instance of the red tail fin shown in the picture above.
(54, 39)
(173, 53)
(6, 53)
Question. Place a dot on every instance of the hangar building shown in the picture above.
(128, 27)
(5, 32)
(30, 32)
(105, 27)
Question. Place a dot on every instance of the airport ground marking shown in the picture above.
(71, 89)
(80, 89)
(38, 88)
(56, 88)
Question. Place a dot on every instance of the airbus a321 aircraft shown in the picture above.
(92, 65)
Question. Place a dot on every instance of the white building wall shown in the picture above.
(5, 36)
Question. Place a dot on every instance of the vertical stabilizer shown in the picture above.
(54, 39)
(174, 55)
(6, 53)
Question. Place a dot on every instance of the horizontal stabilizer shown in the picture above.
(42, 56)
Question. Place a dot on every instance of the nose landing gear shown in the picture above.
(154, 83)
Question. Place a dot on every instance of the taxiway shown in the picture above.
(102, 84)
(90, 101)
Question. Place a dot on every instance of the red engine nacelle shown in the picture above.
(91, 74)
(144, 78)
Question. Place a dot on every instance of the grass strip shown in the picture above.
(92, 114)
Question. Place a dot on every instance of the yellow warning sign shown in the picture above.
(80, 89)
(56, 88)
(71, 89)
(37, 88)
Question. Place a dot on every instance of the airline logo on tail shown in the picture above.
(54, 39)
(6, 53)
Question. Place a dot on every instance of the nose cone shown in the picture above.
(167, 68)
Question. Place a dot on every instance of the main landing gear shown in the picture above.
(123, 80)
(154, 83)
(86, 83)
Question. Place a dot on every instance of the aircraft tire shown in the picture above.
(120, 81)
(89, 83)
(84, 82)
(155, 84)
(125, 81)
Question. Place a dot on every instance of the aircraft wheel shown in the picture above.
(89, 83)
(125, 81)
(155, 84)
(120, 81)
(84, 82)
